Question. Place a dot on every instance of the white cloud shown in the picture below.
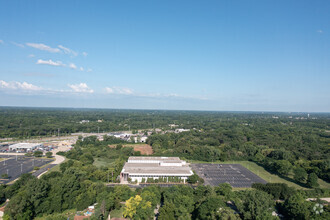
(43, 47)
(72, 66)
(320, 31)
(109, 90)
(68, 50)
(81, 69)
(1, 41)
(81, 88)
(19, 86)
(89, 70)
(31, 55)
(50, 62)
(17, 44)
(119, 90)
(85, 54)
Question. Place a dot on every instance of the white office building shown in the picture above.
(137, 168)
(24, 147)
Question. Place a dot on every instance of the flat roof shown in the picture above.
(142, 169)
(156, 158)
(24, 145)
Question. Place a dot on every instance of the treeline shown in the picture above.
(80, 183)
(296, 149)
(29, 122)
(56, 192)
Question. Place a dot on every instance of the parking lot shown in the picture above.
(14, 166)
(234, 174)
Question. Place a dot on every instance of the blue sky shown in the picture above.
(246, 55)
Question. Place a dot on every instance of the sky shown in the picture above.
(247, 55)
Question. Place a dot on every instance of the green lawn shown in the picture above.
(261, 172)
(324, 184)
(99, 162)
(117, 213)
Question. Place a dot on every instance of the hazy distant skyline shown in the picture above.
(184, 55)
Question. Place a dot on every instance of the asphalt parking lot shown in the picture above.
(16, 166)
(234, 174)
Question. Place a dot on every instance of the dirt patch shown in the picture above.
(145, 149)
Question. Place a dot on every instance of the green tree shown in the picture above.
(283, 167)
(193, 178)
(312, 180)
(20, 206)
(167, 212)
(137, 208)
(226, 214)
(49, 154)
(209, 208)
(37, 153)
(5, 176)
(300, 174)
(296, 207)
(255, 205)
(224, 189)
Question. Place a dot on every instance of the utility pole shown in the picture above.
(58, 132)
(21, 168)
(98, 130)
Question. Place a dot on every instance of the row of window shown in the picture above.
(153, 176)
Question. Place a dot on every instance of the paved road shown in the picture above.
(43, 170)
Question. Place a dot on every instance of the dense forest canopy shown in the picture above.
(292, 145)
(28, 122)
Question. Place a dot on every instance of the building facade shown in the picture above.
(142, 168)
(24, 147)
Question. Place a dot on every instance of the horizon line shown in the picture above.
(191, 110)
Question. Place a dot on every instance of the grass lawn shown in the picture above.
(99, 162)
(324, 184)
(117, 213)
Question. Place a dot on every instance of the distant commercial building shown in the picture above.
(25, 147)
(179, 130)
(137, 168)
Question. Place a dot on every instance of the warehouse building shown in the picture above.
(25, 147)
(139, 168)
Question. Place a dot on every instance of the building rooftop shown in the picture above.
(24, 145)
(154, 168)
(160, 159)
